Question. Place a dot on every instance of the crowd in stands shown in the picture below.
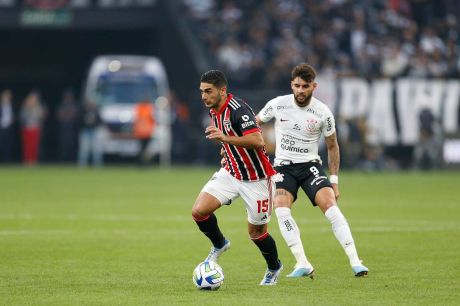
(258, 42)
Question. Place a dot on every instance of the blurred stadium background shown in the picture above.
(388, 68)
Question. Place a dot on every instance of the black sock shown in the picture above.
(267, 247)
(210, 228)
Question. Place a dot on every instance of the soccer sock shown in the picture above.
(267, 247)
(291, 235)
(210, 228)
(342, 233)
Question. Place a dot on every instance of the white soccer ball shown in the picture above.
(208, 275)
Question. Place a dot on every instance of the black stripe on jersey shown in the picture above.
(233, 151)
(230, 166)
(240, 163)
(235, 167)
(247, 166)
(257, 163)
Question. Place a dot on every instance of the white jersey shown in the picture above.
(298, 129)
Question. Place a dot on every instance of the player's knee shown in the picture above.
(198, 213)
(255, 232)
(279, 202)
(325, 205)
(283, 199)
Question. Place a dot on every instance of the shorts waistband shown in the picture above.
(290, 162)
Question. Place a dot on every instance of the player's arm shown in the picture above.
(258, 121)
(223, 159)
(266, 114)
(333, 154)
(252, 140)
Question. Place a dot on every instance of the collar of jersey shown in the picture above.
(229, 97)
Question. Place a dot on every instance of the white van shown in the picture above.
(116, 83)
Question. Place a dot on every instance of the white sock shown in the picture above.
(343, 234)
(291, 235)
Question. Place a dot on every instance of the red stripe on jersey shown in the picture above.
(251, 131)
(252, 173)
(266, 163)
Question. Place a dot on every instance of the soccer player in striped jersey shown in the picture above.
(300, 121)
(246, 172)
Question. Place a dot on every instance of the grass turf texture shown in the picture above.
(123, 236)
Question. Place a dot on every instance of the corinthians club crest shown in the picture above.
(311, 124)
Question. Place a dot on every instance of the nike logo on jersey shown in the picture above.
(282, 120)
(318, 182)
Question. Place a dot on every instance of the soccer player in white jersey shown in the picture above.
(300, 120)
(246, 172)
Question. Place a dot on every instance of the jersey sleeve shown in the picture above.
(328, 127)
(268, 112)
(244, 120)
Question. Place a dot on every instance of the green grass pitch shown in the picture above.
(124, 236)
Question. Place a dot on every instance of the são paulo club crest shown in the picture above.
(227, 125)
(311, 124)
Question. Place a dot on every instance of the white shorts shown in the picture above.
(257, 195)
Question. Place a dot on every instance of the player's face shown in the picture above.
(302, 90)
(212, 96)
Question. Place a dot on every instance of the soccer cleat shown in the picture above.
(271, 276)
(215, 252)
(302, 272)
(360, 270)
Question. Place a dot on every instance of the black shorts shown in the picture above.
(310, 176)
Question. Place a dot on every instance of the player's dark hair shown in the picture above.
(214, 77)
(303, 71)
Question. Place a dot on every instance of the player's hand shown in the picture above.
(335, 187)
(215, 134)
(223, 161)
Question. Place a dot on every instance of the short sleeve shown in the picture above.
(244, 120)
(268, 112)
(328, 127)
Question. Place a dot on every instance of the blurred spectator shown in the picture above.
(394, 62)
(352, 139)
(143, 128)
(427, 153)
(180, 129)
(67, 117)
(6, 125)
(32, 115)
(90, 131)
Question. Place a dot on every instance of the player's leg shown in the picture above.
(259, 205)
(320, 192)
(325, 199)
(267, 246)
(216, 192)
(285, 195)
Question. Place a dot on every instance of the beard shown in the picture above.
(214, 104)
(306, 99)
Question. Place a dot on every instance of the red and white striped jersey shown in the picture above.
(236, 118)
